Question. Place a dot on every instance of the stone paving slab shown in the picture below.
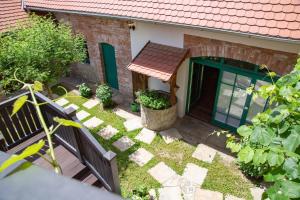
(141, 157)
(204, 153)
(123, 143)
(194, 173)
(201, 194)
(170, 135)
(257, 193)
(146, 136)
(75, 107)
(91, 103)
(93, 122)
(161, 172)
(170, 193)
(108, 132)
(153, 194)
(133, 124)
(231, 197)
(62, 102)
(82, 115)
(124, 114)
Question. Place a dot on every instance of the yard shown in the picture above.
(221, 176)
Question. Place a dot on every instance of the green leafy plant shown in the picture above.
(272, 142)
(104, 93)
(141, 193)
(85, 90)
(35, 148)
(153, 99)
(41, 49)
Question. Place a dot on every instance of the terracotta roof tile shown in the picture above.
(10, 13)
(157, 60)
(275, 14)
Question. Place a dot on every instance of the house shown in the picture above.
(10, 13)
(206, 52)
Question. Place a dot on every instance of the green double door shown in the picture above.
(233, 107)
(110, 66)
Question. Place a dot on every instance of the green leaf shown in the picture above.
(18, 104)
(66, 122)
(246, 154)
(271, 74)
(29, 151)
(291, 188)
(275, 159)
(292, 168)
(274, 175)
(37, 86)
(292, 142)
(262, 136)
(244, 131)
(259, 157)
(233, 146)
(285, 126)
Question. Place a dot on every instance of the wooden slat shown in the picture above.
(34, 115)
(9, 124)
(18, 126)
(28, 117)
(23, 122)
(4, 131)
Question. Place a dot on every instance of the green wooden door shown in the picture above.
(110, 66)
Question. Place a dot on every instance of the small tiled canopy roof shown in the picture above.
(10, 12)
(159, 61)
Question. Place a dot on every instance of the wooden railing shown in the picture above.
(78, 141)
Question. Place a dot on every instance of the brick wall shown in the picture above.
(278, 61)
(97, 30)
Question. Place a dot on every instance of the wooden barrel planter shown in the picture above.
(158, 120)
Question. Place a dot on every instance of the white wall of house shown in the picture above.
(174, 36)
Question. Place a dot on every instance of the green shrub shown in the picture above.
(253, 170)
(85, 90)
(141, 193)
(153, 99)
(104, 93)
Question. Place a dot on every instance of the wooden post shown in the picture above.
(112, 158)
(139, 82)
(173, 89)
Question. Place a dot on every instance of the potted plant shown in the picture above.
(104, 93)
(85, 90)
(157, 112)
(135, 107)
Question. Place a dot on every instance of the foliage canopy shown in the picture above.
(153, 99)
(39, 49)
(273, 140)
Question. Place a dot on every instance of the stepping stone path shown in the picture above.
(170, 135)
(231, 197)
(91, 103)
(124, 114)
(170, 193)
(141, 157)
(161, 172)
(133, 124)
(75, 107)
(202, 194)
(82, 115)
(194, 173)
(257, 193)
(146, 136)
(93, 122)
(123, 143)
(108, 132)
(62, 102)
(204, 153)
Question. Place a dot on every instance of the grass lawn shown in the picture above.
(221, 177)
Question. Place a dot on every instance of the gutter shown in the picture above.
(250, 35)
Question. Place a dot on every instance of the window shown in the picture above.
(87, 59)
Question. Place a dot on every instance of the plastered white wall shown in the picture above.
(174, 35)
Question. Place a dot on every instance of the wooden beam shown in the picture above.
(173, 89)
(139, 82)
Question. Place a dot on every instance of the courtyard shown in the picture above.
(185, 161)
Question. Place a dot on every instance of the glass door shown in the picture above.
(232, 98)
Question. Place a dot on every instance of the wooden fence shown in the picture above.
(79, 141)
